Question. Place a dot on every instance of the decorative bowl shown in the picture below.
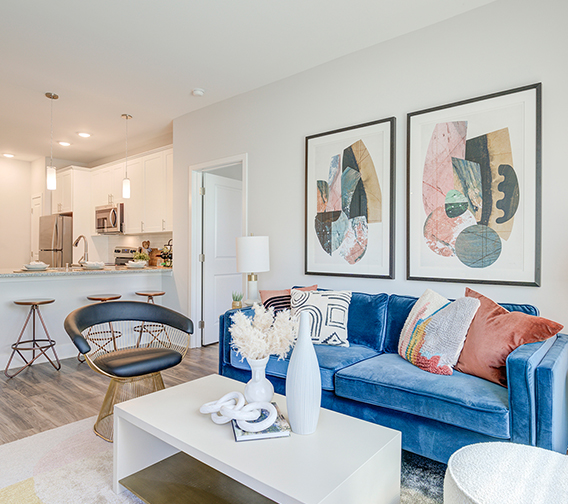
(36, 266)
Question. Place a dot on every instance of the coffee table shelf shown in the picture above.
(345, 460)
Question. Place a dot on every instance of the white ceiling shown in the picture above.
(142, 57)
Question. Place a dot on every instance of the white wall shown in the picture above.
(503, 45)
(15, 215)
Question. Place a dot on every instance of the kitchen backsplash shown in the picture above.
(104, 244)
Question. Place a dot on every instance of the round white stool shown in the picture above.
(506, 473)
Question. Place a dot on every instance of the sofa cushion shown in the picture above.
(436, 342)
(429, 303)
(494, 334)
(462, 400)
(368, 319)
(399, 307)
(330, 358)
(280, 299)
(329, 313)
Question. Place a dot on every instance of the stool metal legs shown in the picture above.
(38, 347)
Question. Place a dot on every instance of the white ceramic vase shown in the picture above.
(303, 382)
(258, 389)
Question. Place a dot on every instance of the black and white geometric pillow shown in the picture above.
(329, 312)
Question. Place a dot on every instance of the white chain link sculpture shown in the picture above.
(232, 407)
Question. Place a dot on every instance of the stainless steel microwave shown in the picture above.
(109, 219)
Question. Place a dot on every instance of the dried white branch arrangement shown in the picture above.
(264, 334)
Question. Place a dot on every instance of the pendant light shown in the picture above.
(51, 178)
(126, 180)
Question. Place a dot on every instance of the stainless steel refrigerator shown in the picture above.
(56, 240)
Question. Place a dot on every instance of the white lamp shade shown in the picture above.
(126, 188)
(51, 178)
(252, 254)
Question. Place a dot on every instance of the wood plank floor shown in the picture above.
(41, 398)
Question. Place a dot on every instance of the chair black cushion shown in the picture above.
(137, 361)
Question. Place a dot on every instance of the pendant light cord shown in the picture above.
(126, 157)
(51, 137)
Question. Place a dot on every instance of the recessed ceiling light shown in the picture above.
(198, 92)
(8, 155)
(84, 135)
(65, 144)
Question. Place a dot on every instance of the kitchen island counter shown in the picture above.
(51, 272)
(70, 290)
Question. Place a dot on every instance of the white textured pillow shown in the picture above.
(329, 312)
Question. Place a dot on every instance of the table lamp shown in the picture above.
(252, 258)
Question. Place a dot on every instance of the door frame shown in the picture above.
(34, 197)
(196, 229)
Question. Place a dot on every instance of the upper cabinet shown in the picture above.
(149, 208)
(107, 184)
(69, 193)
(62, 196)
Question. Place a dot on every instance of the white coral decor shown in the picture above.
(264, 334)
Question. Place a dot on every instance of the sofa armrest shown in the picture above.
(551, 396)
(522, 364)
(225, 336)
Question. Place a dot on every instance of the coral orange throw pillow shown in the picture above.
(494, 333)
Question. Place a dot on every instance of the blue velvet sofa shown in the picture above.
(436, 414)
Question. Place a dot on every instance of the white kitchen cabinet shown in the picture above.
(154, 192)
(149, 208)
(134, 206)
(62, 196)
(72, 192)
(107, 184)
(169, 160)
(100, 186)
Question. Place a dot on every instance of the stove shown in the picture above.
(123, 254)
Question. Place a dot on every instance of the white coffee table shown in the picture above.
(346, 460)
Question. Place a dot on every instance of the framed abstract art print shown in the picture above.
(474, 190)
(350, 201)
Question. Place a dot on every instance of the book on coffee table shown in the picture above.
(280, 427)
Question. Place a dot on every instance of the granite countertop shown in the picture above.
(79, 271)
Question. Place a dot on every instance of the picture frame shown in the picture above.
(349, 201)
(474, 190)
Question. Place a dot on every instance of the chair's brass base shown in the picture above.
(120, 390)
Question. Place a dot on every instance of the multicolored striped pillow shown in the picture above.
(435, 331)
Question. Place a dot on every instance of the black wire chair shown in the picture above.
(131, 342)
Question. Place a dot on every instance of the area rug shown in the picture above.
(70, 465)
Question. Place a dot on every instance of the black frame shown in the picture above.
(538, 196)
(391, 204)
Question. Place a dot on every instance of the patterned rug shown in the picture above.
(70, 465)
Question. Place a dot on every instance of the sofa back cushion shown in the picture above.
(399, 308)
(368, 320)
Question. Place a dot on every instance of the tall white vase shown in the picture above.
(258, 389)
(303, 382)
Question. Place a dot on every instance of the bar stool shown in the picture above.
(150, 295)
(154, 331)
(40, 345)
(99, 337)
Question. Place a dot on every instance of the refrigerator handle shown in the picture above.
(55, 236)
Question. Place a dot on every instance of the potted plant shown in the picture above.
(141, 257)
(237, 300)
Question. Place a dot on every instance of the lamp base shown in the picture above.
(253, 296)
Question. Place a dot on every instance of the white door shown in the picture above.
(222, 223)
(36, 214)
